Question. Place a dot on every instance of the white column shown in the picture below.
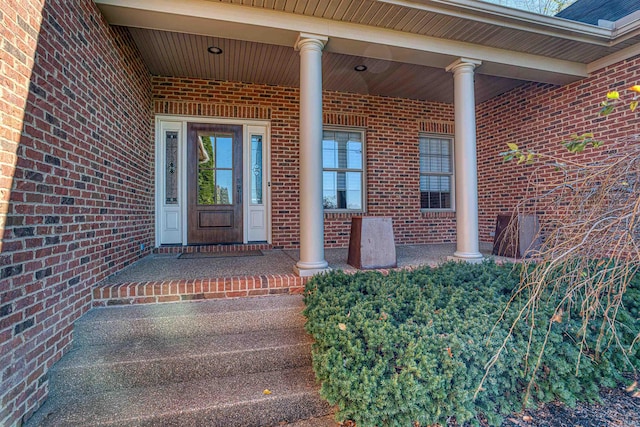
(311, 211)
(466, 169)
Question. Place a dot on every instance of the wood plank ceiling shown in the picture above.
(186, 55)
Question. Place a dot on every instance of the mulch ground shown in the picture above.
(618, 409)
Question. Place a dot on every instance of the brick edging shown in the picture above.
(196, 289)
(180, 249)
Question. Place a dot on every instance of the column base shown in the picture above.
(308, 269)
(470, 257)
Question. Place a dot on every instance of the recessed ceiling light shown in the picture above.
(214, 50)
(360, 68)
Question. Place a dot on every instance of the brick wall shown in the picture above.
(79, 202)
(539, 117)
(392, 168)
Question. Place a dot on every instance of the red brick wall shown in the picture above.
(392, 164)
(20, 23)
(539, 117)
(79, 202)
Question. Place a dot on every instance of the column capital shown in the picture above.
(463, 63)
(307, 39)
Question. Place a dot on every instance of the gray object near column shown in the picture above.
(519, 239)
(372, 244)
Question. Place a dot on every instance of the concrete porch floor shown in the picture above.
(163, 267)
(163, 278)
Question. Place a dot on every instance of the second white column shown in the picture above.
(466, 170)
(311, 210)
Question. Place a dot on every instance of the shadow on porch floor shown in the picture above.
(168, 278)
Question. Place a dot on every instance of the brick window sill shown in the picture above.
(342, 215)
(438, 214)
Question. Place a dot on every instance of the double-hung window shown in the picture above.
(436, 172)
(343, 172)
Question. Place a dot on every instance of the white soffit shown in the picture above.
(185, 56)
(217, 19)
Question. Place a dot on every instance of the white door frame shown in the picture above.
(249, 127)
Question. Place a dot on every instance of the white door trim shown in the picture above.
(180, 122)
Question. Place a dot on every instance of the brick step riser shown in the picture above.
(98, 378)
(180, 249)
(168, 328)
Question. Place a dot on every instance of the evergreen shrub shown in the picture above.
(411, 346)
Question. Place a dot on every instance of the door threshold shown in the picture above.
(214, 247)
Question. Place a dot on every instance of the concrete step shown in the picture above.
(169, 322)
(158, 360)
(187, 364)
(224, 402)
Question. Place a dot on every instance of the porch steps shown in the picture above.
(185, 364)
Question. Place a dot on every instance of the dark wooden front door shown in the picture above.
(214, 183)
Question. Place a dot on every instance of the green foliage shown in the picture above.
(413, 346)
(578, 143)
(516, 153)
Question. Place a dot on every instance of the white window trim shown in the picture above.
(361, 131)
(453, 170)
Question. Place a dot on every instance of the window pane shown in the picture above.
(224, 153)
(329, 154)
(329, 190)
(171, 168)
(205, 187)
(435, 192)
(435, 155)
(354, 190)
(205, 151)
(224, 187)
(354, 155)
(256, 169)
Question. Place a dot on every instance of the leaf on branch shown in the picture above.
(614, 94)
(635, 88)
(578, 143)
(633, 105)
(557, 317)
(530, 158)
(606, 110)
(512, 146)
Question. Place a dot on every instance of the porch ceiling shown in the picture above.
(467, 21)
(185, 55)
(406, 44)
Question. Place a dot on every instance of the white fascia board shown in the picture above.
(614, 58)
(627, 27)
(267, 26)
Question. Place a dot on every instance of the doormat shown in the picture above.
(197, 255)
